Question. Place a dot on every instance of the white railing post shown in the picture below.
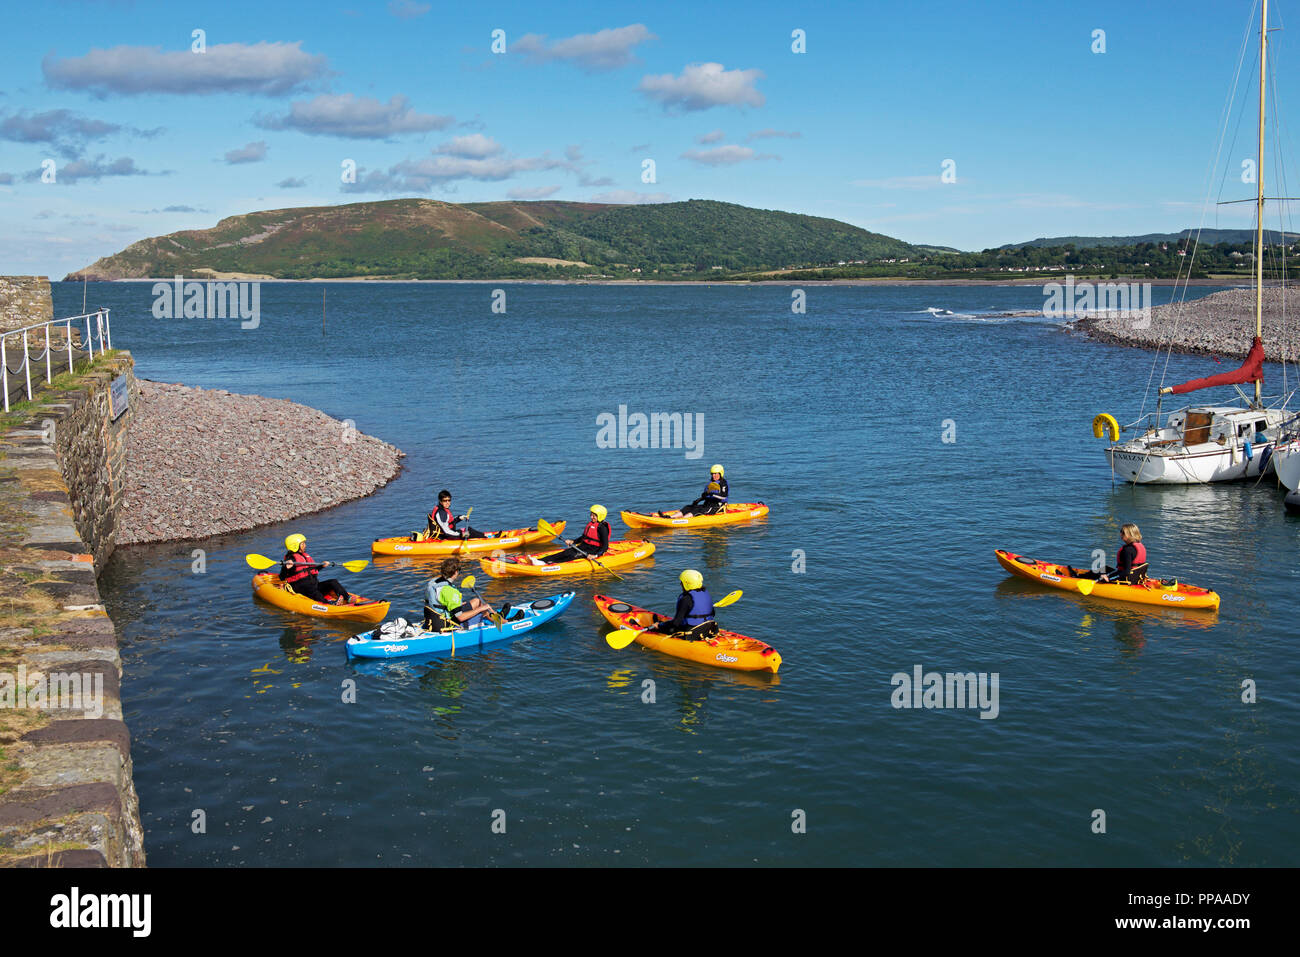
(69, 327)
(49, 370)
(90, 341)
(4, 371)
(27, 366)
(108, 328)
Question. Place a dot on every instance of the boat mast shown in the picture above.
(1259, 196)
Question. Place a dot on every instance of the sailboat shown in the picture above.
(1212, 443)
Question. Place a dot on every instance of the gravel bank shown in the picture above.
(1221, 324)
(203, 462)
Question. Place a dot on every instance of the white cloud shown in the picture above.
(703, 85)
(95, 169)
(252, 153)
(536, 192)
(716, 136)
(770, 133)
(474, 145)
(725, 155)
(270, 69)
(593, 52)
(354, 117)
(408, 9)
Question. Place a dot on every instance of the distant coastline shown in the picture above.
(249, 277)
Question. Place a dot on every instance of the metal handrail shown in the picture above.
(100, 330)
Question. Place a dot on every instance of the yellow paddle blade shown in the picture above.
(469, 511)
(547, 527)
(621, 638)
(1086, 585)
(729, 600)
(260, 562)
(355, 566)
(468, 581)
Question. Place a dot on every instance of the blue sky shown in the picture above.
(1048, 137)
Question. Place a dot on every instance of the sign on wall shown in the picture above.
(119, 396)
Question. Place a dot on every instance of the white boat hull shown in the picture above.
(1287, 465)
(1194, 466)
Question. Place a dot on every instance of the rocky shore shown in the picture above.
(1221, 324)
(204, 462)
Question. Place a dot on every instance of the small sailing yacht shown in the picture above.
(1212, 443)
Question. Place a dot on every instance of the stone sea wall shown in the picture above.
(66, 792)
(24, 301)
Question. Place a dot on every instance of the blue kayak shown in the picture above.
(372, 644)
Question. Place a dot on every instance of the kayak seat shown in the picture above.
(436, 620)
(702, 631)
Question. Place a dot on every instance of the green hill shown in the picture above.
(1208, 237)
(427, 239)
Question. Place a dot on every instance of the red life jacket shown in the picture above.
(1141, 557)
(299, 558)
(433, 519)
(591, 534)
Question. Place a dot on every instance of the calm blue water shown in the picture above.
(835, 419)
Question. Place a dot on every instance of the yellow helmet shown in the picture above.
(691, 579)
(295, 542)
(599, 511)
(718, 469)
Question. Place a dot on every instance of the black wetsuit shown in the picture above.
(310, 585)
(710, 502)
(582, 548)
(681, 620)
(1128, 570)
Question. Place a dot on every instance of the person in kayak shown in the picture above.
(592, 543)
(442, 523)
(301, 571)
(442, 599)
(693, 619)
(1131, 562)
(713, 500)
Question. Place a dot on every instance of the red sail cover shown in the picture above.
(1252, 370)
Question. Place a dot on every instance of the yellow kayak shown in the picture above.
(737, 512)
(1153, 591)
(509, 538)
(268, 587)
(620, 553)
(724, 650)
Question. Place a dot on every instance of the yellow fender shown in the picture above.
(1105, 425)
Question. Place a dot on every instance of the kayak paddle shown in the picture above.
(625, 636)
(1086, 585)
(549, 528)
(261, 563)
(468, 582)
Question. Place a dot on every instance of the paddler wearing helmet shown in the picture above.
(300, 570)
(713, 500)
(592, 543)
(693, 619)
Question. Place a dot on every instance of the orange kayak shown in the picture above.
(268, 587)
(620, 553)
(725, 650)
(738, 512)
(1153, 591)
(508, 538)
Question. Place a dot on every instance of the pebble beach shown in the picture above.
(1221, 324)
(204, 462)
